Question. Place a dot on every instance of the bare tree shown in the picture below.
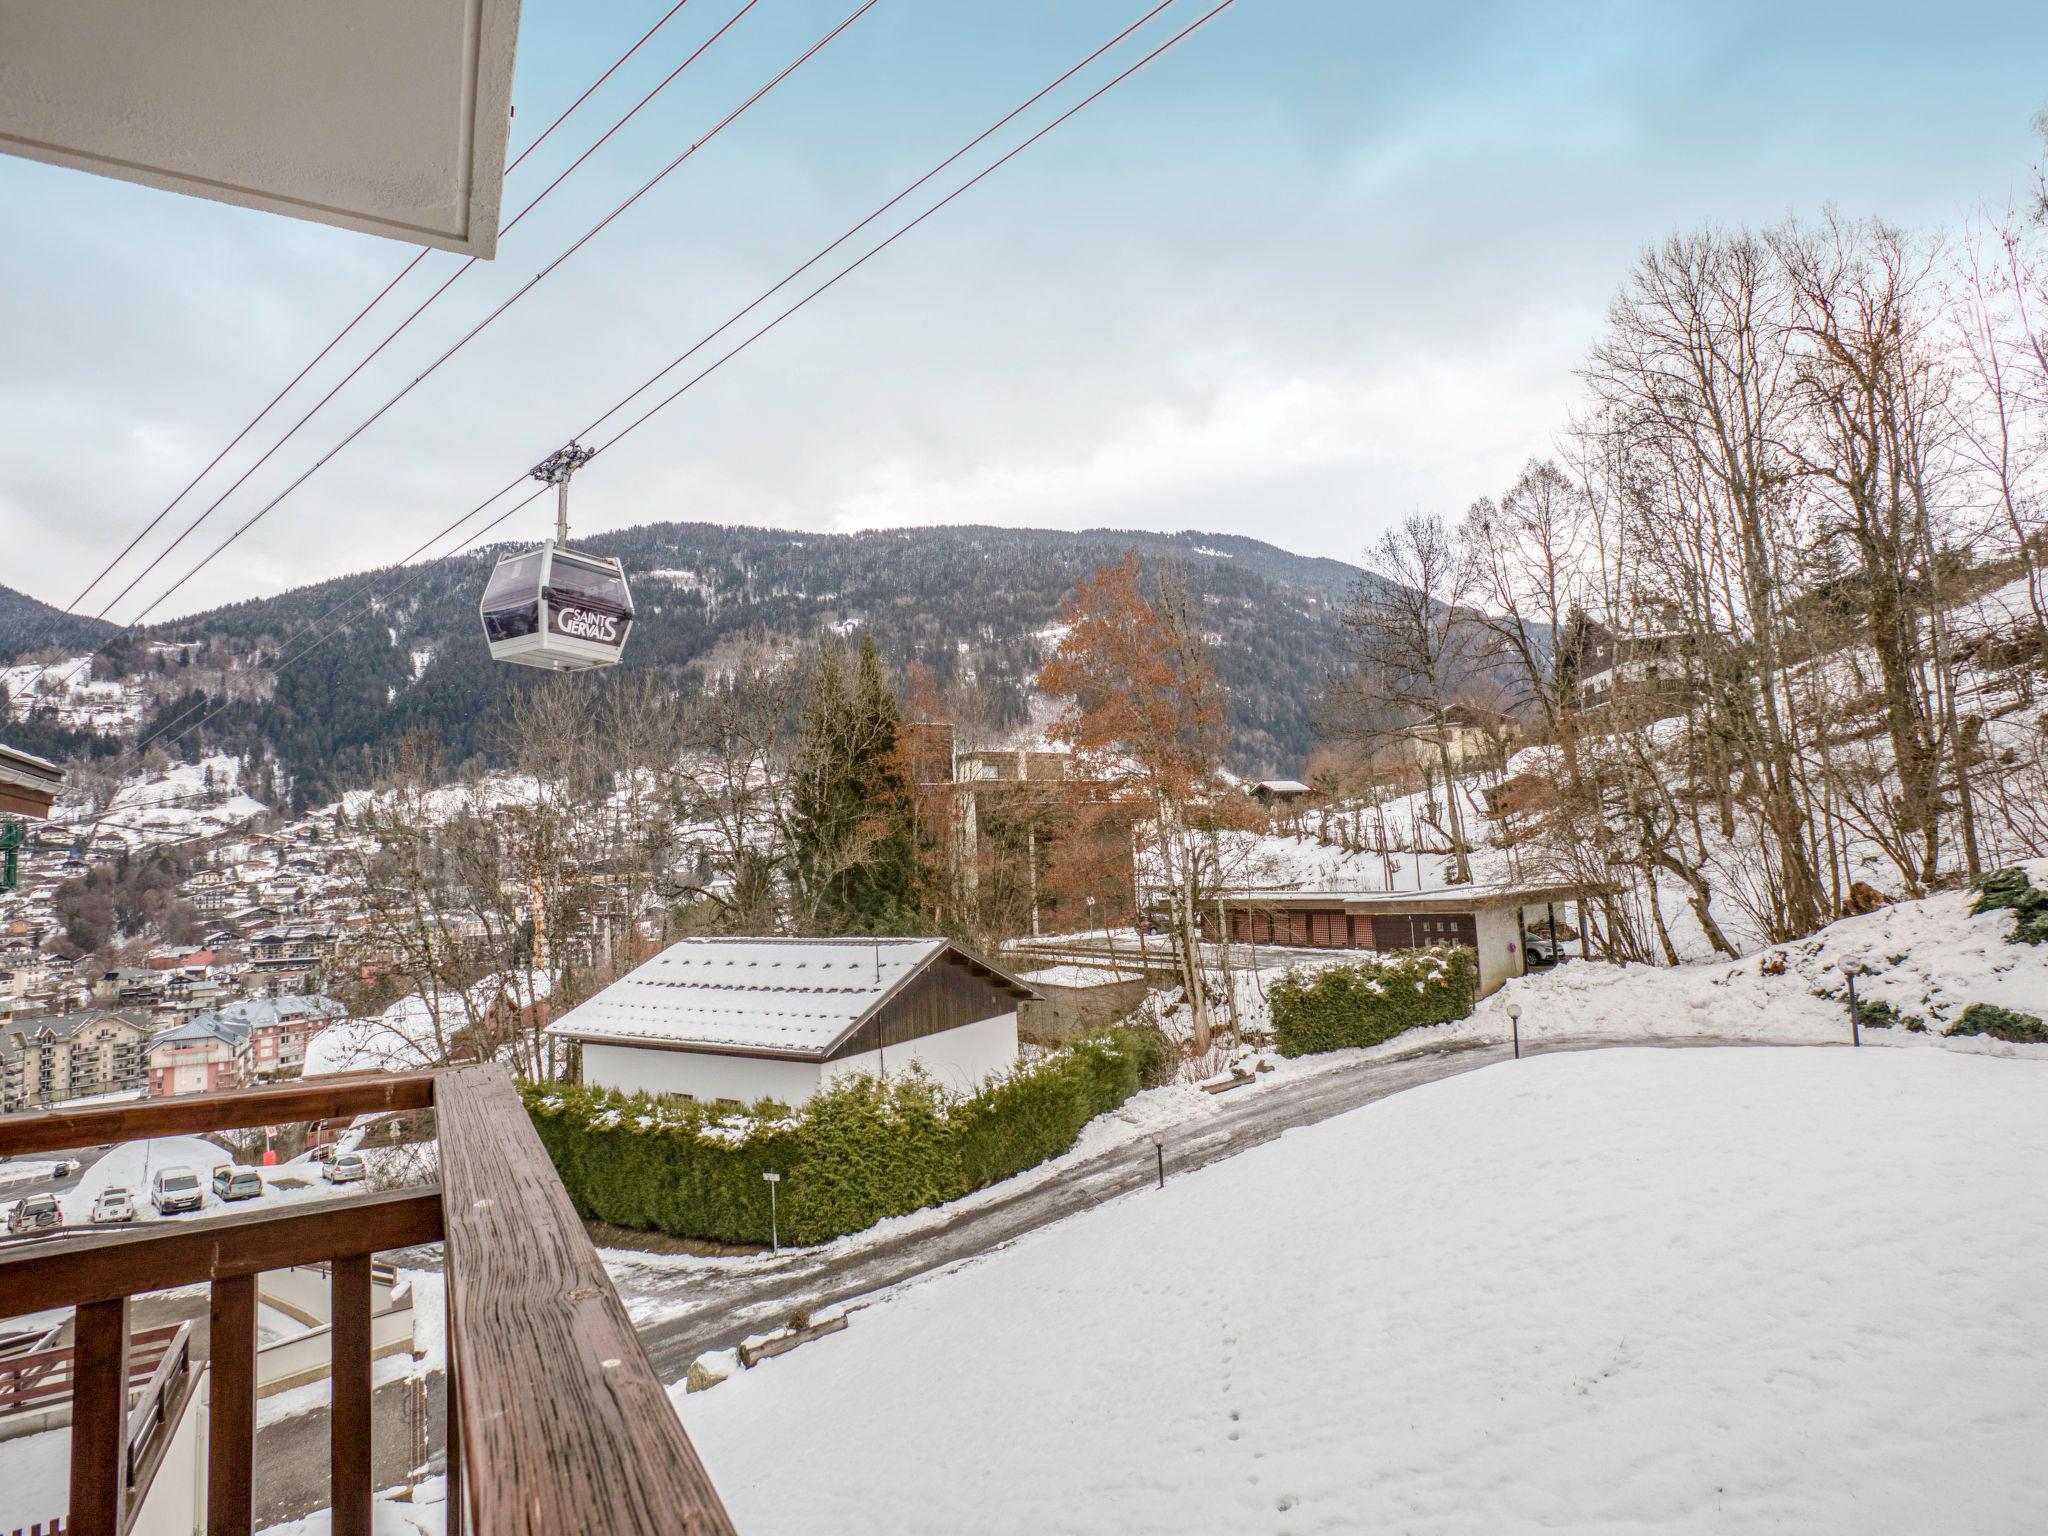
(1144, 711)
(1412, 643)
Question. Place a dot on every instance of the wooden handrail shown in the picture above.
(149, 1408)
(314, 1098)
(108, 1265)
(564, 1425)
(48, 1371)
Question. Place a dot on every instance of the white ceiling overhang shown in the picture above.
(385, 116)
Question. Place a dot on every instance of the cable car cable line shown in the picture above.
(470, 540)
(877, 250)
(383, 293)
(449, 282)
(531, 283)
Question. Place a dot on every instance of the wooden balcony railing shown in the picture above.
(42, 1379)
(556, 1422)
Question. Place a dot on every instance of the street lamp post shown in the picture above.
(1515, 1023)
(774, 1237)
(1159, 1149)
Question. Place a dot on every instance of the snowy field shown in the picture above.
(1724, 1290)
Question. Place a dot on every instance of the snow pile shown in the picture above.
(398, 1040)
(1696, 1291)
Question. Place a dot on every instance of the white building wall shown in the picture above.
(700, 1074)
(957, 1058)
(1500, 947)
(176, 1504)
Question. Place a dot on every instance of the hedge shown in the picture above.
(862, 1150)
(1373, 1000)
(2000, 1024)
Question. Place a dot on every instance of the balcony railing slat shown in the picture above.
(349, 1430)
(547, 1370)
(99, 1419)
(157, 1256)
(231, 1420)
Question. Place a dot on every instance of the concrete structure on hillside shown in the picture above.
(1490, 920)
(1032, 844)
(752, 1019)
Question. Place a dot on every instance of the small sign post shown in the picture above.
(774, 1237)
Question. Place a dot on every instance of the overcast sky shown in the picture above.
(1327, 262)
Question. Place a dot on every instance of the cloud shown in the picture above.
(1335, 454)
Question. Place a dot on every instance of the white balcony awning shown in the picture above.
(385, 116)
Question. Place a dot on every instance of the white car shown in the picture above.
(174, 1190)
(345, 1168)
(113, 1205)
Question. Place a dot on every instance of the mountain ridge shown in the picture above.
(976, 604)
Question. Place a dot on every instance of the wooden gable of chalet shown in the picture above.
(951, 990)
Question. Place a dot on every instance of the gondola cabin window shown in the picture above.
(557, 608)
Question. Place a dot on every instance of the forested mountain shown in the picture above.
(26, 625)
(975, 605)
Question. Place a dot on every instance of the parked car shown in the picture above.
(232, 1183)
(64, 1167)
(35, 1213)
(174, 1190)
(113, 1205)
(345, 1168)
(1542, 951)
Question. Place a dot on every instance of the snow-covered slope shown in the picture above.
(1928, 959)
(1725, 1290)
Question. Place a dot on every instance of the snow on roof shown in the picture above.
(1284, 786)
(776, 996)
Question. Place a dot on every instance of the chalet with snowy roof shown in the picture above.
(1278, 792)
(752, 1019)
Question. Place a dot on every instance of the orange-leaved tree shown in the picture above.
(1144, 709)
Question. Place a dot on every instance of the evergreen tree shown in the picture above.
(854, 865)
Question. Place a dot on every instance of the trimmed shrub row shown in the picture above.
(1372, 1000)
(863, 1150)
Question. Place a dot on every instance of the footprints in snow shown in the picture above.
(1285, 1501)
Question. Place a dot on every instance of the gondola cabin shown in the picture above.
(557, 608)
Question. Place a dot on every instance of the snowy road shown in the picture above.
(685, 1307)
